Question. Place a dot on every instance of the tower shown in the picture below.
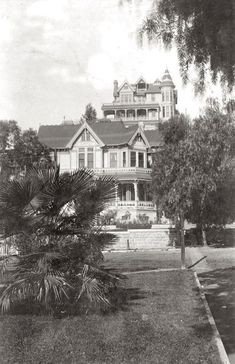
(168, 96)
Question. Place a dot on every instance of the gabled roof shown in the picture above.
(63, 136)
(57, 136)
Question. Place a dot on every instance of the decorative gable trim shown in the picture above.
(141, 79)
(84, 126)
(126, 83)
(141, 132)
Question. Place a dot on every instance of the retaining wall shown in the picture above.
(159, 237)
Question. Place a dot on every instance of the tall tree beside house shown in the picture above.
(203, 32)
(90, 113)
(51, 217)
(210, 147)
(168, 179)
(30, 152)
(20, 150)
(193, 174)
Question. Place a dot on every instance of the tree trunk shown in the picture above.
(182, 242)
(204, 241)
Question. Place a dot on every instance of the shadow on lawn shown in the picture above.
(121, 299)
(219, 288)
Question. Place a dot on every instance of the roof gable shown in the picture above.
(126, 87)
(139, 133)
(83, 127)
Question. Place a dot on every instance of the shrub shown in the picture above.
(52, 217)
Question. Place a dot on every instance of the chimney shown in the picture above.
(115, 88)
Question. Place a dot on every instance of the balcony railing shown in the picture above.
(144, 205)
(136, 118)
(119, 104)
(116, 171)
(124, 170)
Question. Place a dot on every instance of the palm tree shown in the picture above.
(51, 218)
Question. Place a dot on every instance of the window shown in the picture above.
(141, 192)
(163, 97)
(167, 112)
(167, 95)
(90, 158)
(153, 97)
(133, 159)
(149, 161)
(81, 158)
(86, 135)
(141, 85)
(113, 160)
(163, 111)
(171, 92)
(124, 159)
(141, 160)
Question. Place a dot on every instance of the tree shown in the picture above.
(204, 34)
(169, 175)
(51, 217)
(9, 135)
(193, 173)
(30, 152)
(90, 113)
(211, 150)
(20, 150)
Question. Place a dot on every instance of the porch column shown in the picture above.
(145, 194)
(136, 193)
(116, 196)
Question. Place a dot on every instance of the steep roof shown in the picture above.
(56, 136)
(113, 133)
(152, 88)
(154, 137)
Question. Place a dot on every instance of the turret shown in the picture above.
(168, 96)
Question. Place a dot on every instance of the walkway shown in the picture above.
(217, 276)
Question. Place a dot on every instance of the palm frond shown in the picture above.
(41, 287)
(92, 287)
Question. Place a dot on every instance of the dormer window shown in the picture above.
(141, 85)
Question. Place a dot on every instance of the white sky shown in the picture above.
(56, 56)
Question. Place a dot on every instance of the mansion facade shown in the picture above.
(143, 103)
(121, 144)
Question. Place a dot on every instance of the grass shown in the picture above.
(143, 260)
(161, 320)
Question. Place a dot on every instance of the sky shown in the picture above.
(56, 56)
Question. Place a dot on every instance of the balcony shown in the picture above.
(118, 104)
(125, 173)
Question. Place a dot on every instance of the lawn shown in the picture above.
(130, 261)
(161, 319)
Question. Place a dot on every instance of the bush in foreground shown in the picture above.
(50, 218)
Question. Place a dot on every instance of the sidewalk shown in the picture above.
(217, 277)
